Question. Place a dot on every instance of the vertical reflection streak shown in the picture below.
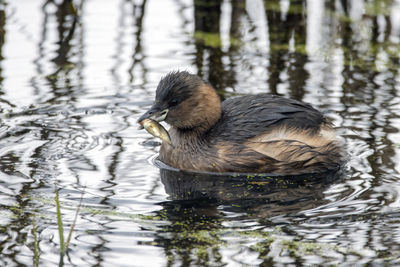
(138, 56)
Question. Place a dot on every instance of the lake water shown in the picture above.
(74, 80)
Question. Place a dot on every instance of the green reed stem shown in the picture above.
(75, 219)
(60, 225)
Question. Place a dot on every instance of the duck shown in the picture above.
(261, 133)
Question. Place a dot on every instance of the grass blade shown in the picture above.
(60, 225)
(75, 219)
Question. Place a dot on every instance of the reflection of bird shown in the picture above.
(256, 133)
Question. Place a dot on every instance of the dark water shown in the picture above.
(73, 81)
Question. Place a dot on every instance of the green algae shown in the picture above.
(301, 248)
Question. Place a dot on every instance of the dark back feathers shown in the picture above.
(249, 116)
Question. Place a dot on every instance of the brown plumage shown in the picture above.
(257, 133)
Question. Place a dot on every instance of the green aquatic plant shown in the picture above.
(60, 224)
(65, 244)
(301, 248)
(75, 219)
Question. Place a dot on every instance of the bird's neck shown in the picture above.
(210, 109)
(188, 138)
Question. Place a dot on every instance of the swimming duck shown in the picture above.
(255, 133)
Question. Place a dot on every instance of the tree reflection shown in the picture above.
(287, 29)
(68, 55)
(138, 54)
(2, 38)
(67, 19)
(210, 56)
(207, 17)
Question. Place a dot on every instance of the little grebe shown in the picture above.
(256, 133)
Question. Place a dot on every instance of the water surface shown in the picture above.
(74, 79)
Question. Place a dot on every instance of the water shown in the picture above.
(71, 89)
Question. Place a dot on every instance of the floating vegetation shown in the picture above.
(201, 237)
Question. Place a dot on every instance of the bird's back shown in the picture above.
(249, 116)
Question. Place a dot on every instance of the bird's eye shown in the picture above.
(173, 102)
